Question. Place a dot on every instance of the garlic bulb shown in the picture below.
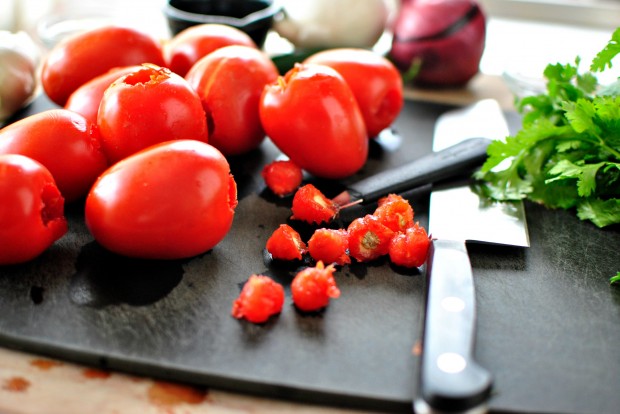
(18, 67)
(332, 23)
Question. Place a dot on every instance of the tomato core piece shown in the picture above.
(260, 298)
(312, 287)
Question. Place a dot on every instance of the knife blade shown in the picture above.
(450, 379)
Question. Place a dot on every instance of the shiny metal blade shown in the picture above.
(458, 213)
(482, 119)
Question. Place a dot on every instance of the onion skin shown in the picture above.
(445, 37)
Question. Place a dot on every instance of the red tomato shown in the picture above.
(368, 238)
(394, 212)
(311, 205)
(85, 100)
(285, 244)
(172, 200)
(260, 298)
(31, 212)
(230, 82)
(282, 177)
(313, 118)
(190, 45)
(330, 246)
(409, 249)
(374, 80)
(147, 107)
(67, 144)
(313, 287)
(86, 55)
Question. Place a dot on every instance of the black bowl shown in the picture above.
(254, 17)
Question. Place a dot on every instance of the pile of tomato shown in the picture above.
(145, 127)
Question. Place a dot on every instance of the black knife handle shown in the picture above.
(450, 379)
(457, 159)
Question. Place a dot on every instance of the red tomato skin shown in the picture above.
(374, 80)
(409, 249)
(66, 143)
(312, 117)
(329, 246)
(312, 287)
(173, 200)
(285, 244)
(147, 107)
(86, 55)
(85, 100)
(190, 45)
(260, 298)
(31, 212)
(282, 177)
(230, 82)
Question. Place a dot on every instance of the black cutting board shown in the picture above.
(549, 322)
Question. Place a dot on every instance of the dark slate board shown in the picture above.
(549, 322)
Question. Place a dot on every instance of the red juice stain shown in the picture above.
(92, 373)
(45, 364)
(16, 384)
(169, 394)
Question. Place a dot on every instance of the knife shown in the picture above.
(450, 379)
(448, 162)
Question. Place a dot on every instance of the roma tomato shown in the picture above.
(172, 200)
(86, 55)
(374, 80)
(65, 142)
(312, 117)
(230, 82)
(85, 100)
(31, 212)
(146, 107)
(190, 45)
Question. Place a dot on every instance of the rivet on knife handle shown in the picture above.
(450, 379)
(450, 162)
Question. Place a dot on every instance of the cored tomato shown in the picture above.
(312, 206)
(32, 209)
(173, 200)
(86, 55)
(313, 118)
(146, 107)
(85, 100)
(374, 80)
(65, 142)
(369, 239)
(394, 212)
(230, 82)
(190, 45)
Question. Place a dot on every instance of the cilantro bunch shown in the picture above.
(567, 153)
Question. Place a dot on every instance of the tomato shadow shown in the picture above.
(103, 278)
